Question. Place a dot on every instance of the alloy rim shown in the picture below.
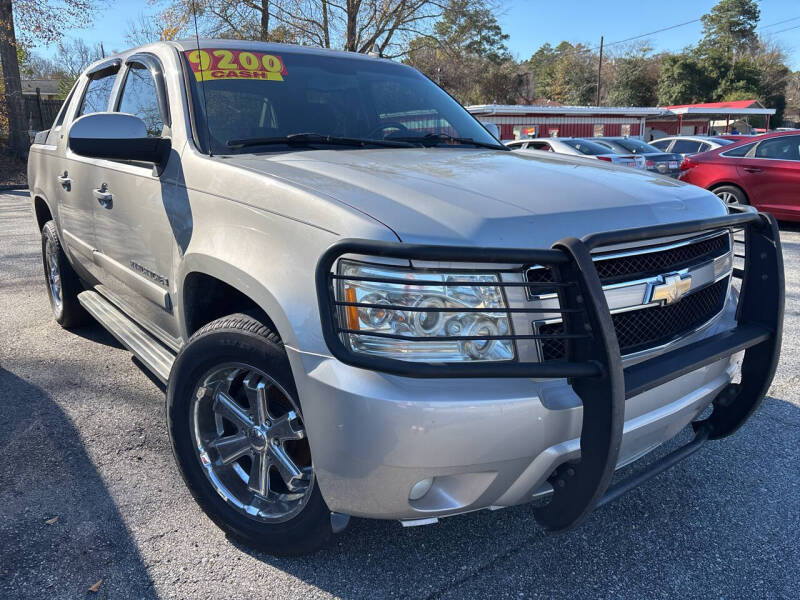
(251, 442)
(53, 273)
(727, 197)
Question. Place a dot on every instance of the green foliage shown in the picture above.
(466, 54)
(635, 80)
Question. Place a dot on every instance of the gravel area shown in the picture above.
(89, 493)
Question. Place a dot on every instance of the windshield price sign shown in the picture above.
(210, 64)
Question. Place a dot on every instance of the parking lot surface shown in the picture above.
(89, 491)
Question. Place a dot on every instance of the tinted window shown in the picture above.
(97, 94)
(610, 146)
(740, 151)
(586, 147)
(705, 147)
(540, 146)
(636, 146)
(721, 141)
(275, 95)
(782, 148)
(686, 147)
(661, 144)
(139, 97)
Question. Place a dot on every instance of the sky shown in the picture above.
(531, 23)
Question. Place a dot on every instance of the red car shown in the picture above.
(762, 171)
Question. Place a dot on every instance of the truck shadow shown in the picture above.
(56, 509)
(651, 542)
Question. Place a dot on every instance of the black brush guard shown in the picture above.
(593, 365)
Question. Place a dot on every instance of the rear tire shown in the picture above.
(239, 440)
(730, 194)
(63, 284)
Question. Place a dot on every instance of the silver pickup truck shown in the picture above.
(362, 304)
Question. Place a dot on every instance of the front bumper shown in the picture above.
(374, 436)
(377, 425)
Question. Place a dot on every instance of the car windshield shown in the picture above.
(587, 147)
(721, 141)
(636, 146)
(337, 101)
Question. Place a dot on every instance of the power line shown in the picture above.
(778, 23)
(787, 29)
(636, 37)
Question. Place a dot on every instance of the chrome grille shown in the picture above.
(647, 262)
(653, 326)
(647, 325)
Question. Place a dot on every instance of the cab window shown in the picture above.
(140, 98)
(98, 92)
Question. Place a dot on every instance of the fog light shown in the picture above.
(419, 489)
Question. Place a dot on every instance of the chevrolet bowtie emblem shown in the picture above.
(673, 288)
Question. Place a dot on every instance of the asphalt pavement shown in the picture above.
(89, 493)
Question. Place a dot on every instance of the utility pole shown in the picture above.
(599, 71)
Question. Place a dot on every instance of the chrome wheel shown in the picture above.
(53, 272)
(251, 442)
(727, 197)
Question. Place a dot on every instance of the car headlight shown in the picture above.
(427, 313)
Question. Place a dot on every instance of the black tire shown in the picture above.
(731, 194)
(67, 310)
(238, 338)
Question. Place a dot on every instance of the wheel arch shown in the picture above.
(42, 211)
(210, 288)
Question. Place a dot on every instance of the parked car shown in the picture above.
(362, 304)
(689, 144)
(577, 147)
(735, 137)
(655, 160)
(764, 172)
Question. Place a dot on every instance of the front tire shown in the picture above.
(239, 439)
(63, 284)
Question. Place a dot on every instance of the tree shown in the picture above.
(682, 80)
(382, 26)
(466, 54)
(39, 20)
(635, 79)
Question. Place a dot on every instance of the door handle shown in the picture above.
(65, 181)
(103, 196)
(752, 170)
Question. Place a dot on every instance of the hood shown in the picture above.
(487, 197)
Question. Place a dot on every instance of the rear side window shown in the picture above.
(686, 147)
(586, 147)
(97, 94)
(740, 151)
(140, 98)
(540, 146)
(661, 144)
(782, 148)
(705, 147)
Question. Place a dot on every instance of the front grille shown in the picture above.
(645, 264)
(652, 326)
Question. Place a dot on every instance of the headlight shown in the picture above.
(386, 314)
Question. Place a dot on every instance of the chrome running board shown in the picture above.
(151, 353)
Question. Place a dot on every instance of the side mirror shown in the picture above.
(116, 136)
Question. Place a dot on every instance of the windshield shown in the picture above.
(587, 147)
(636, 146)
(253, 95)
